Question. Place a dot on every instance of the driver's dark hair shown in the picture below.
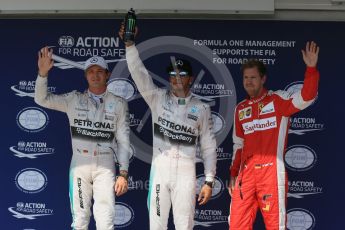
(251, 63)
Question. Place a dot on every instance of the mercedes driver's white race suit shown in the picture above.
(177, 129)
(96, 128)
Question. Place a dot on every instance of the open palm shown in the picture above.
(45, 61)
(310, 54)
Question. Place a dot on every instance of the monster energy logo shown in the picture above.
(131, 23)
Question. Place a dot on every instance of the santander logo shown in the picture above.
(259, 124)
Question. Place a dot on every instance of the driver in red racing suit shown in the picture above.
(258, 176)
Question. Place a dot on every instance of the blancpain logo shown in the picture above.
(209, 92)
(32, 119)
(122, 87)
(27, 89)
(217, 189)
(300, 158)
(303, 125)
(299, 189)
(209, 217)
(299, 218)
(124, 215)
(30, 211)
(31, 150)
(221, 155)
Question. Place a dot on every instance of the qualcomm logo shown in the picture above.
(299, 218)
(218, 123)
(221, 155)
(124, 215)
(30, 211)
(209, 217)
(217, 189)
(122, 87)
(31, 180)
(302, 125)
(299, 189)
(32, 119)
(31, 150)
(27, 88)
(300, 158)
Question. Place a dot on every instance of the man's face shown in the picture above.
(180, 81)
(253, 83)
(97, 77)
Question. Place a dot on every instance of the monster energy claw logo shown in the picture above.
(131, 23)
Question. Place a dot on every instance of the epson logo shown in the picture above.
(124, 215)
(259, 125)
(300, 158)
(66, 41)
(122, 87)
(31, 180)
(299, 218)
(217, 189)
(218, 123)
(32, 119)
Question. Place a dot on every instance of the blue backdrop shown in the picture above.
(35, 145)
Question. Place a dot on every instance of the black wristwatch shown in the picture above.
(209, 183)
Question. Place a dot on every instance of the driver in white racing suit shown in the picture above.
(98, 123)
(179, 122)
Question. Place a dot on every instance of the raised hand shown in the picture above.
(45, 61)
(122, 32)
(310, 54)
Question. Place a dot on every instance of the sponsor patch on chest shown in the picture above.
(259, 125)
(265, 109)
(245, 113)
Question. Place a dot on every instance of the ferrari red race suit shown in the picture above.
(260, 136)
